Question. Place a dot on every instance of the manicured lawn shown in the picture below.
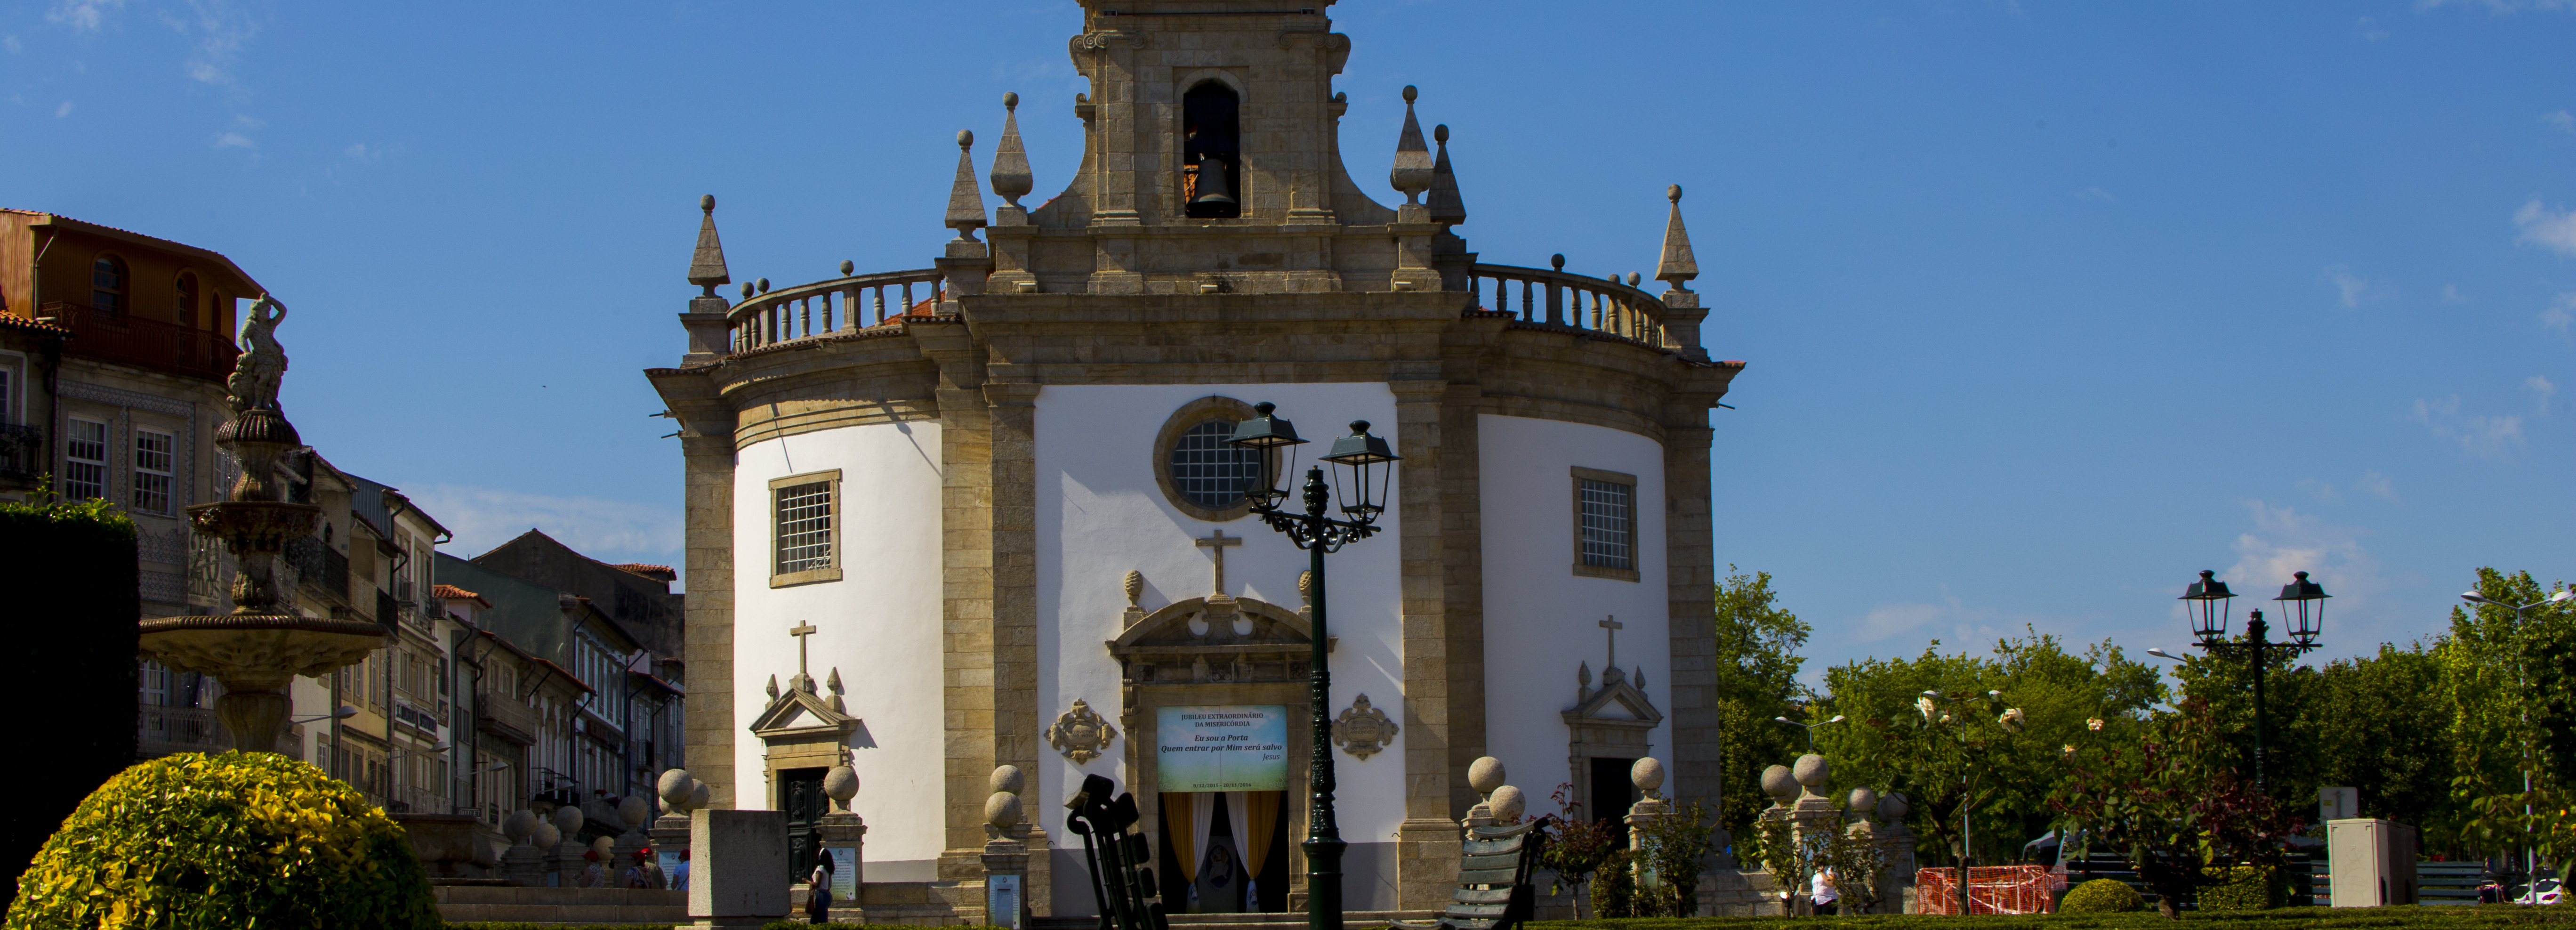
(2292, 918)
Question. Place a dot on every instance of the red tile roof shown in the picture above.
(449, 592)
(655, 572)
(14, 321)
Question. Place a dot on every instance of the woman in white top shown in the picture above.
(1822, 892)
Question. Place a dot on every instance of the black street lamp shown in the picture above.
(2209, 607)
(1359, 460)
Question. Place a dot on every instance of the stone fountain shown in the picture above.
(258, 648)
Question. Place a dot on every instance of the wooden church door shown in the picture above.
(800, 794)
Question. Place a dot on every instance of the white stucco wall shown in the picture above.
(1100, 513)
(1540, 618)
(879, 625)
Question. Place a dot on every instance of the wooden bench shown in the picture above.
(1494, 891)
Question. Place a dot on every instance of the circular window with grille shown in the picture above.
(1199, 471)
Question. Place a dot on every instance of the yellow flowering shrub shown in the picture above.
(236, 840)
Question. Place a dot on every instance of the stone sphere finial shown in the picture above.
(699, 794)
(1648, 775)
(965, 138)
(1008, 780)
(848, 266)
(545, 835)
(1508, 804)
(568, 819)
(1634, 277)
(1002, 810)
(518, 825)
(1863, 800)
(1778, 782)
(1410, 93)
(632, 811)
(707, 202)
(746, 290)
(1485, 774)
(1892, 807)
(1440, 134)
(763, 284)
(1673, 193)
(1010, 101)
(1813, 770)
(673, 786)
(841, 784)
(1556, 261)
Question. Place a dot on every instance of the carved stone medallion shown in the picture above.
(1362, 730)
(1080, 734)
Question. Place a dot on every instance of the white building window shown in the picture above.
(805, 528)
(152, 461)
(85, 460)
(1605, 524)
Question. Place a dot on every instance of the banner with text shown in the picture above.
(1221, 748)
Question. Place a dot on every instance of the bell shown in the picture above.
(1213, 190)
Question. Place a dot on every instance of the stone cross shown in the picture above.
(801, 631)
(1614, 626)
(1219, 541)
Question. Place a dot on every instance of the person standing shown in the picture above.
(1822, 893)
(680, 873)
(818, 900)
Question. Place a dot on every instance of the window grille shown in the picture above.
(152, 471)
(1208, 471)
(1609, 521)
(85, 465)
(804, 527)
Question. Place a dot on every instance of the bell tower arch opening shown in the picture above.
(1211, 151)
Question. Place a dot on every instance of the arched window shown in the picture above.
(1210, 137)
(107, 284)
(187, 293)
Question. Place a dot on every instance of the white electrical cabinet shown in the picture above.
(2372, 862)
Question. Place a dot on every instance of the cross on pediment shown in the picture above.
(1219, 542)
(1613, 625)
(802, 632)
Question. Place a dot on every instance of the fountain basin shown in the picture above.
(255, 656)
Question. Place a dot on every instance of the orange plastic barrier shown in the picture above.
(1992, 889)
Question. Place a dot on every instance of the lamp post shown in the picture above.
(1810, 728)
(2530, 856)
(1362, 496)
(2209, 606)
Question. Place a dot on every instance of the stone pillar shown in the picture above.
(1006, 857)
(1427, 841)
(738, 876)
(845, 840)
(680, 793)
(633, 812)
(566, 852)
(1896, 845)
(523, 864)
(1486, 776)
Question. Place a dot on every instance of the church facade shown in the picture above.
(983, 513)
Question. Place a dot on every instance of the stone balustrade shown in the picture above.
(838, 305)
(1555, 298)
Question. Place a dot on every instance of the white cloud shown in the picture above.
(2322, 491)
(10, 43)
(2555, 230)
(2376, 485)
(2351, 289)
(2451, 294)
(2560, 313)
(221, 30)
(359, 152)
(2501, 6)
(2541, 391)
(82, 15)
(2370, 29)
(2560, 120)
(608, 530)
(2486, 437)
(64, 110)
(2095, 193)
(234, 140)
(2285, 542)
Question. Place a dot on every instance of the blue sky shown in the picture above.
(2048, 306)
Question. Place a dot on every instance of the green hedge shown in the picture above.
(2290, 918)
(2101, 896)
(2243, 888)
(68, 568)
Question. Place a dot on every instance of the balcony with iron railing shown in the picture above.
(508, 713)
(161, 731)
(123, 337)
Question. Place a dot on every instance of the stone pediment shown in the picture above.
(1618, 702)
(1214, 639)
(797, 712)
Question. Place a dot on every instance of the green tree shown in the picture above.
(2180, 819)
(1758, 663)
(2509, 684)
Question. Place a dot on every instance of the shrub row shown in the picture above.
(2498, 916)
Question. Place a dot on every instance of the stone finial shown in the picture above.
(518, 825)
(1679, 265)
(1002, 810)
(1446, 205)
(1863, 800)
(1508, 804)
(1633, 278)
(1306, 587)
(632, 812)
(841, 784)
(1135, 585)
(1007, 779)
(746, 290)
(773, 679)
(1813, 770)
(1485, 775)
(1779, 782)
(763, 284)
(700, 795)
(1556, 262)
(707, 267)
(1583, 675)
(848, 267)
(1648, 776)
(545, 836)
(568, 819)
(1011, 177)
(674, 787)
(965, 200)
(1412, 171)
(1892, 807)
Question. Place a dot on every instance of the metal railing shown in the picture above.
(823, 307)
(506, 712)
(124, 337)
(1606, 306)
